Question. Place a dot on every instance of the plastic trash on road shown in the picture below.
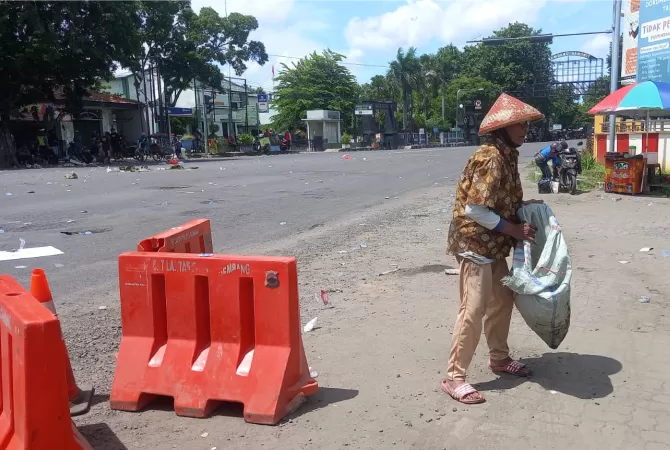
(310, 325)
(541, 275)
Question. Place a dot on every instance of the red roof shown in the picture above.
(104, 97)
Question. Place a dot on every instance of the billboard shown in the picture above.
(180, 112)
(363, 110)
(653, 49)
(630, 29)
(263, 103)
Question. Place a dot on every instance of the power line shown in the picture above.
(346, 63)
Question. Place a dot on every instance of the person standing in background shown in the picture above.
(106, 147)
(287, 138)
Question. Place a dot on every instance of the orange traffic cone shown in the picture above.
(80, 398)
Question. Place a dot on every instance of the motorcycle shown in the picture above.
(74, 152)
(571, 166)
(285, 145)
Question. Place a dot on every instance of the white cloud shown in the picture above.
(417, 22)
(598, 46)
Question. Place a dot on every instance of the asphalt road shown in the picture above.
(248, 200)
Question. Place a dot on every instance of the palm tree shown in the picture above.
(404, 71)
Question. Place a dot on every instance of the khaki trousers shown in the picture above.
(483, 297)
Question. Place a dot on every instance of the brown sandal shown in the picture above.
(461, 393)
(513, 368)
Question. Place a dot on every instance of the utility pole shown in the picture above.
(161, 111)
(214, 105)
(614, 69)
(443, 102)
(246, 107)
(205, 126)
(152, 84)
(231, 123)
(146, 99)
(196, 115)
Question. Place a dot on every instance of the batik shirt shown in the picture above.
(491, 179)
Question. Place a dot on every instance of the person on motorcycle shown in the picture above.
(550, 153)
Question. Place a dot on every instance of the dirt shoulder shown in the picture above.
(381, 351)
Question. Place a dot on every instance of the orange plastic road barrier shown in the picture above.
(80, 397)
(209, 328)
(192, 237)
(34, 411)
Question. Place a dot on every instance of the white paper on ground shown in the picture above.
(310, 325)
(26, 253)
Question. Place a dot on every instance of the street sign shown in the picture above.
(436, 130)
(180, 112)
(478, 104)
(363, 110)
(263, 103)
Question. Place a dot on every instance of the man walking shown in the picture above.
(483, 230)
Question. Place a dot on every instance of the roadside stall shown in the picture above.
(625, 171)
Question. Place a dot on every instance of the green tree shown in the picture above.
(564, 106)
(179, 125)
(403, 73)
(448, 62)
(379, 88)
(446, 65)
(154, 28)
(200, 42)
(426, 85)
(53, 47)
(314, 82)
(597, 91)
(213, 129)
(184, 45)
(511, 65)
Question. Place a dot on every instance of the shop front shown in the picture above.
(636, 137)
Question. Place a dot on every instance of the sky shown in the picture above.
(369, 32)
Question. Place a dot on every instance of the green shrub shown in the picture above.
(245, 139)
(588, 161)
(346, 139)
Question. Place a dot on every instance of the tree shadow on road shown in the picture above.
(580, 376)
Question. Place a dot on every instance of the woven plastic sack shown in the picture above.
(541, 275)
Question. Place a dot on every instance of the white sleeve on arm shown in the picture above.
(483, 216)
